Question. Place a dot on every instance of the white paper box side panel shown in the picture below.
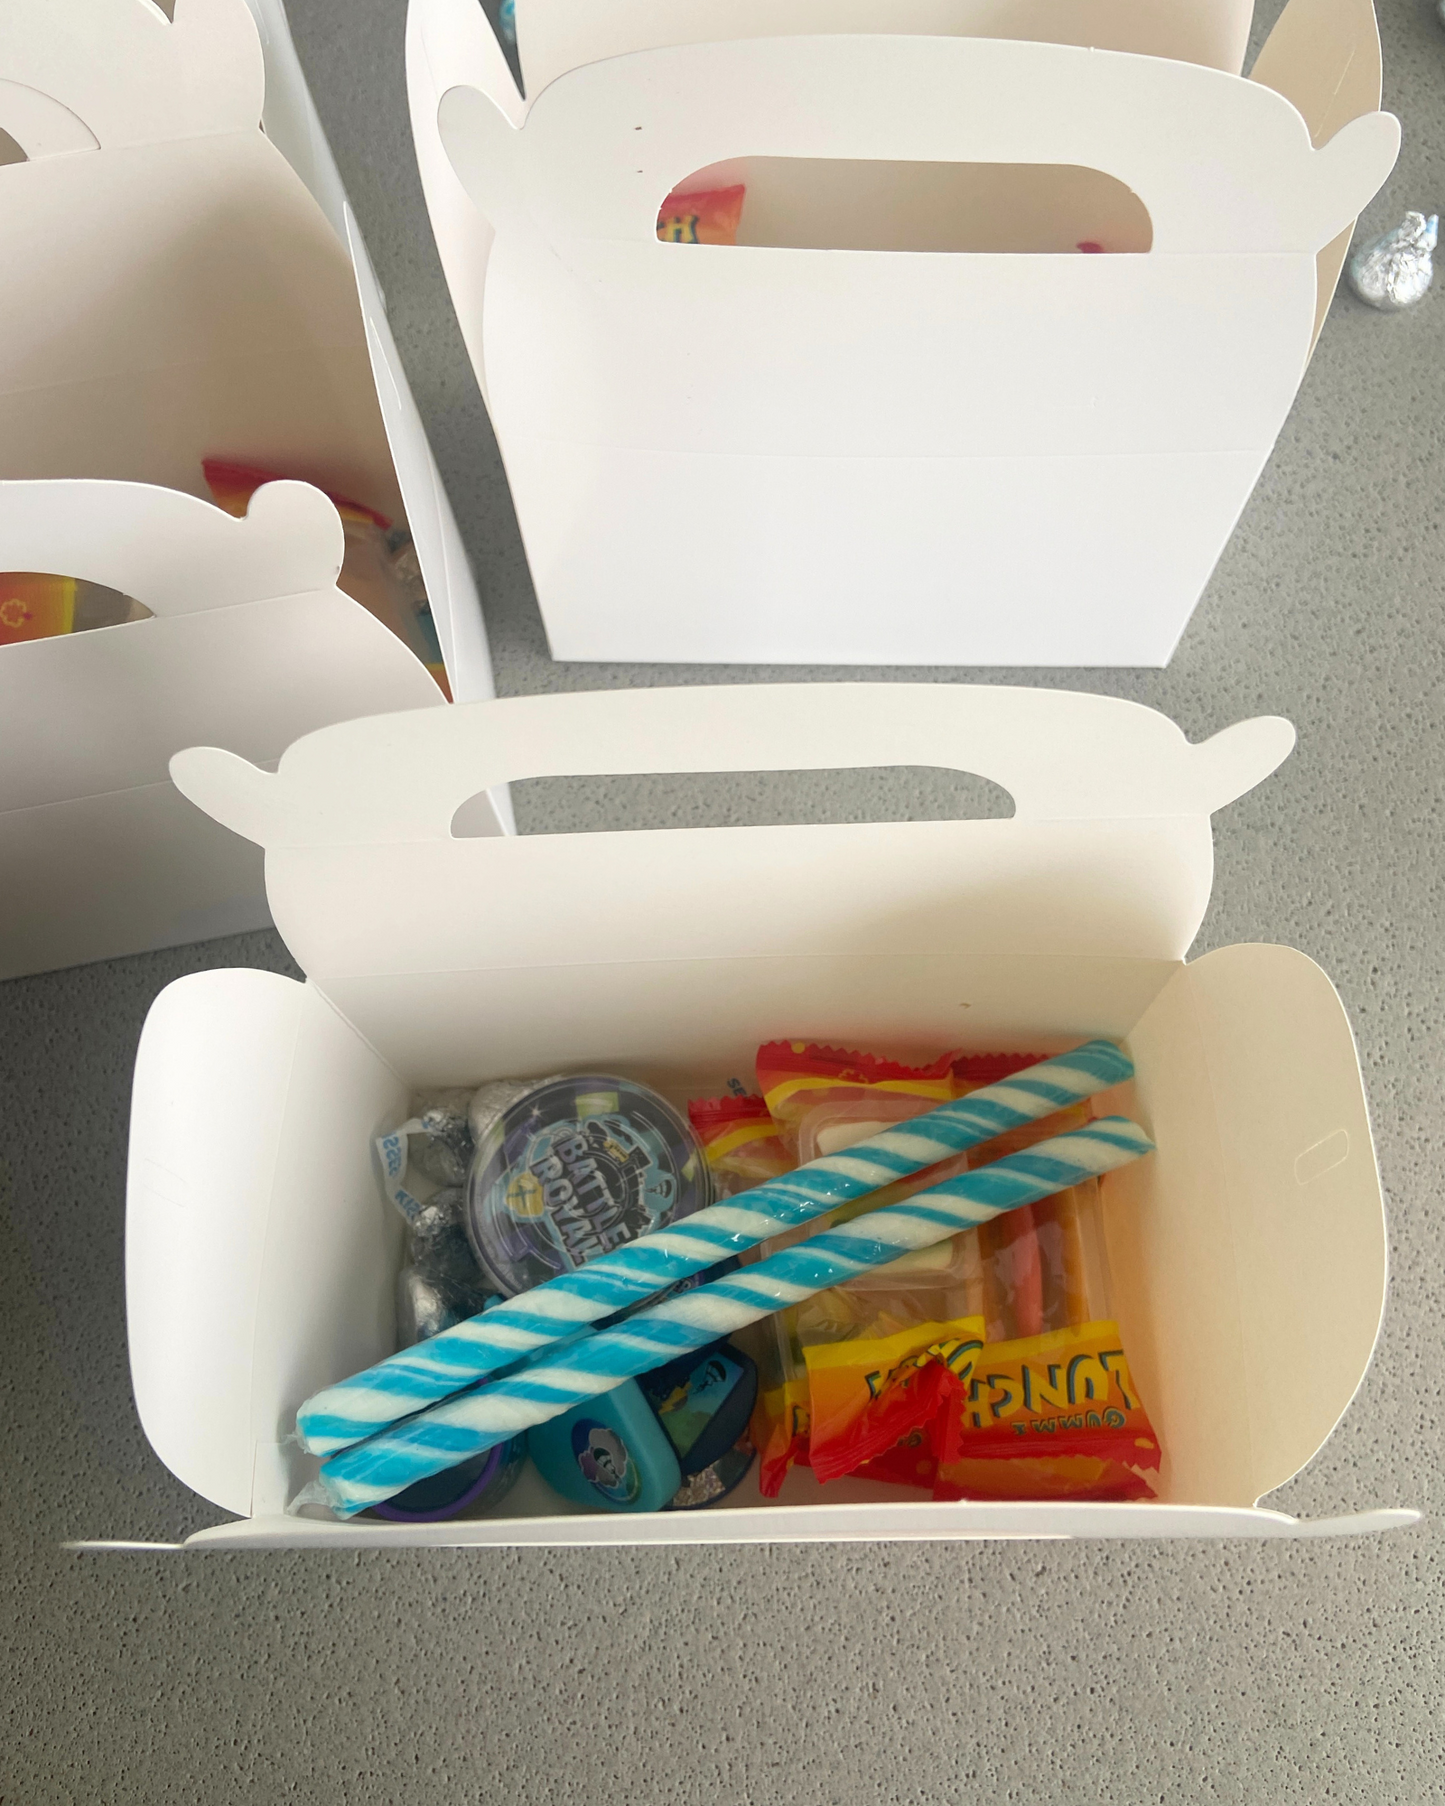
(1061, 754)
(934, 100)
(449, 43)
(293, 125)
(247, 614)
(210, 1098)
(98, 877)
(1309, 1226)
(450, 586)
(250, 642)
(289, 117)
(248, 1233)
(685, 1026)
(1324, 57)
(554, 36)
(1128, 879)
(208, 307)
(326, 1303)
(133, 76)
(1249, 1083)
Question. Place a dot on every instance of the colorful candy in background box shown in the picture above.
(36, 605)
(911, 1348)
(379, 565)
(705, 217)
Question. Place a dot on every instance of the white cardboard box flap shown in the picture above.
(222, 1297)
(206, 306)
(1255, 1106)
(554, 36)
(211, 301)
(131, 76)
(1100, 786)
(1151, 124)
(1247, 1256)
(246, 612)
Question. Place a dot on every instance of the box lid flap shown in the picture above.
(1252, 1342)
(1109, 851)
(652, 118)
(554, 36)
(132, 76)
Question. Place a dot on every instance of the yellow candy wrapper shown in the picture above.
(1049, 1417)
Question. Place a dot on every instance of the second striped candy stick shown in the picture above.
(473, 1421)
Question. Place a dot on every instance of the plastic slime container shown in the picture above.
(571, 1168)
(474, 1486)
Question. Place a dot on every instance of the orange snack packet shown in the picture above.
(1055, 1416)
(710, 216)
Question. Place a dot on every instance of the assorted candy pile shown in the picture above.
(987, 1366)
(514, 1184)
(926, 1301)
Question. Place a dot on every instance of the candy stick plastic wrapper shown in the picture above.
(593, 1364)
(459, 1356)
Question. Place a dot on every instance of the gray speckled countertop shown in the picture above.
(1078, 1672)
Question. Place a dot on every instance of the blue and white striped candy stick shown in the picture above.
(466, 1425)
(458, 1357)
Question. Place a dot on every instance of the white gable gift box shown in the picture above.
(1248, 1254)
(902, 420)
(175, 292)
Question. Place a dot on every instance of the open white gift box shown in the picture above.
(903, 381)
(174, 292)
(1248, 1254)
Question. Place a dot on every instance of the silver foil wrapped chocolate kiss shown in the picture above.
(1395, 271)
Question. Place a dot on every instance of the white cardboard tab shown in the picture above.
(1248, 1256)
(866, 423)
(554, 36)
(175, 292)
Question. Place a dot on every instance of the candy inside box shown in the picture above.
(1247, 1254)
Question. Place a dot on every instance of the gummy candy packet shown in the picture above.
(867, 1394)
(740, 1140)
(843, 1096)
(709, 216)
(1055, 1416)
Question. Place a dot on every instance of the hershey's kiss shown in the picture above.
(1395, 271)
